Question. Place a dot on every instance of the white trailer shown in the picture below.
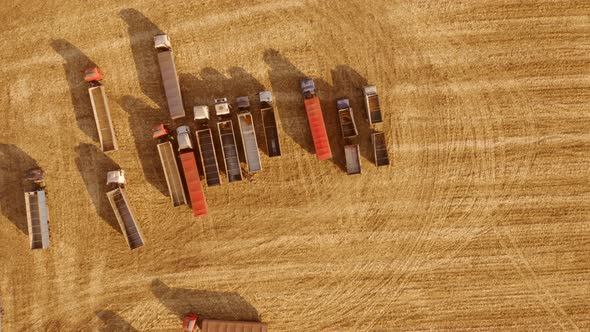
(37, 212)
(248, 134)
(169, 76)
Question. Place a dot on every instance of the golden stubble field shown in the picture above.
(480, 223)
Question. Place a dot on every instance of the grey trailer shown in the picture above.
(229, 151)
(350, 136)
(271, 132)
(379, 149)
(248, 134)
(170, 167)
(102, 116)
(353, 159)
(37, 219)
(169, 76)
(372, 104)
(125, 217)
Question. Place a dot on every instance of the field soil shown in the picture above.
(481, 222)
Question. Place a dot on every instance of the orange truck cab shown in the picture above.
(190, 322)
(93, 74)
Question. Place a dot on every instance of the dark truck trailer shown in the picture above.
(191, 321)
(316, 120)
(271, 132)
(372, 104)
(122, 210)
(349, 136)
(379, 149)
(228, 141)
(169, 76)
(206, 146)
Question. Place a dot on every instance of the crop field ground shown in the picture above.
(480, 223)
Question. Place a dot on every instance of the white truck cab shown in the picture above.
(162, 41)
(201, 112)
(183, 135)
(221, 106)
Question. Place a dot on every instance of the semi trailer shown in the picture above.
(206, 146)
(100, 108)
(191, 172)
(169, 165)
(350, 136)
(37, 213)
(316, 120)
(248, 133)
(169, 76)
(228, 140)
(372, 104)
(122, 209)
(192, 321)
(271, 132)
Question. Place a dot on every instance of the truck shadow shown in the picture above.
(113, 322)
(14, 162)
(285, 81)
(93, 165)
(214, 84)
(141, 118)
(141, 32)
(206, 304)
(75, 64)
(349, 83)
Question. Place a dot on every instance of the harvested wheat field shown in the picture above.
(481, 221)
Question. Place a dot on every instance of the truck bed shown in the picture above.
(374, 109)
(249, 142)
(347, 125)
(193, 182)
(208, 156)
(318, 128)
(229, 150)
(271, 133)
(171, 84)
(211, 325)
(125, 217)
(380, 149)
(171, 173)
(353, 159)
(37, 219)
(102, 116)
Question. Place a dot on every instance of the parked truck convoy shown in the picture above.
(191, 172)
(350, 136)
(100, 107)
(192, 321)
(271, 133)
(169, 76)
(37, 213)
(122, 210)
(169, 165)
(228, 140)
(248, 133)
(316, 120)
(206, 146)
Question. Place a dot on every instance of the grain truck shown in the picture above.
(316, 120)
(379, 148)
(169, 76)
(100, 108)
(120, 204)
(192, 321)
(350, 136)
(249, 142)
(191, 172)
(206, 146)
(271, 132)
(228, 140)
(37, 213)
(372, 104)
(169, 165)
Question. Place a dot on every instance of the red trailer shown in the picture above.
(316, 120)
(193, 183)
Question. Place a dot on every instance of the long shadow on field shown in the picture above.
(207, 304)
(285, 79)
(214, 84)
(113, 322)
(141, 38)
(93, 165)
(349, 83)
(14, 162)
(142, 118)
(75, 64)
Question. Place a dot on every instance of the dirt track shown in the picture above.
(481, 222)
